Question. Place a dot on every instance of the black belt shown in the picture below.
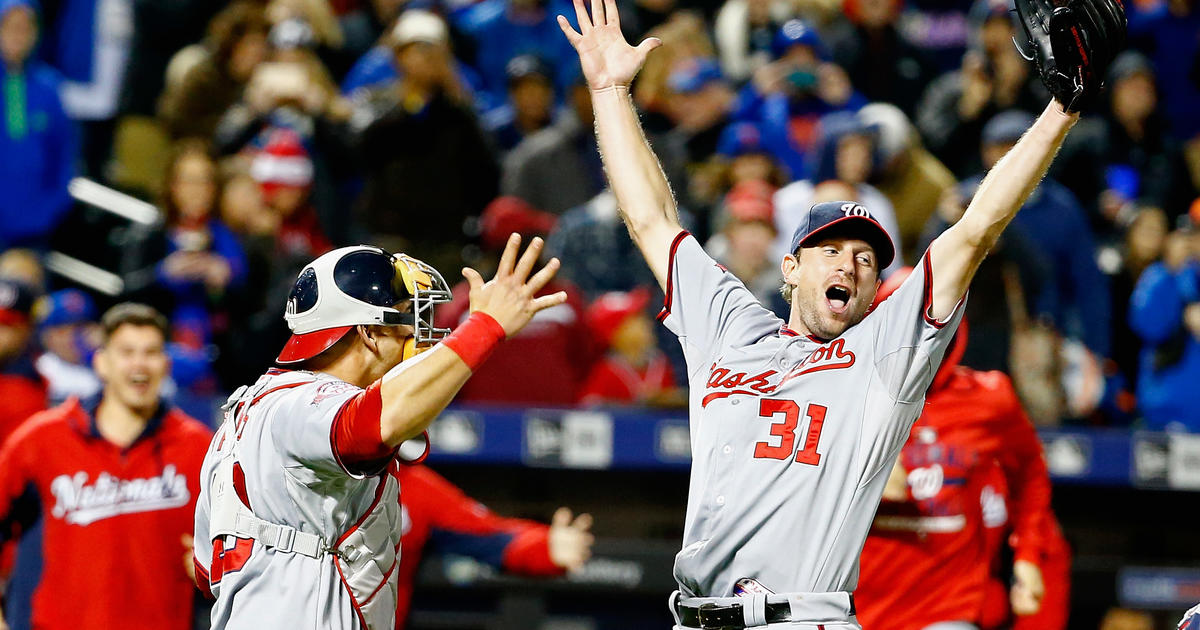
(712, 616)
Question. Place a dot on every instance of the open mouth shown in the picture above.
(838, 298)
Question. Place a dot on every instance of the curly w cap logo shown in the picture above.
(855, 210)
(80, 503)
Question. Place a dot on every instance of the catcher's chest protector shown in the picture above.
(361, 552)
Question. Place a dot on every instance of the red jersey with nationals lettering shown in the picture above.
(928, 559)
(113, 517)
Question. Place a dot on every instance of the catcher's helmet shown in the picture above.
(361, 285)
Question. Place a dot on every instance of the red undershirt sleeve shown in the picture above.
(355, 435)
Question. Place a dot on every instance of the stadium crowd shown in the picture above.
(266, 133)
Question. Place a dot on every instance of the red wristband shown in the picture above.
(475, 339)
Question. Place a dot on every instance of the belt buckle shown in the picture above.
(714, 617)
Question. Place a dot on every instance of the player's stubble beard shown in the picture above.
(812, 316)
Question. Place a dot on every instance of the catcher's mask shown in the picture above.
(361, 285)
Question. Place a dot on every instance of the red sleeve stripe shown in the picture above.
(928, 302)
(354, 435)
(202, 579)
(666, 309)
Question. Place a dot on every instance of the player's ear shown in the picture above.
(368, 337)
(788, 266)
(100, 363)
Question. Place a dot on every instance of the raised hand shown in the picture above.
(509, 297)
(570, 541)
(607, 59)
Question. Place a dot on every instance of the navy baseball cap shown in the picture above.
(846, 218)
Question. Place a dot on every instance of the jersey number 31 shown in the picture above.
(785, 430)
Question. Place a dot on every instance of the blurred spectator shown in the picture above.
(788, 96)
(125, 466)
(160, 29)
(1054, 220)
(293, 93)
(89, 43)
(428, 165)
(38, 146)
(743, 244)
(1167, 30)
(204, 261)
(23, 266)
(317, 16)
(1165, 313)
(545, 363)
(69, 335)
(21, 387)
(502, 29)
(696, 107)
(993, 78)
(633, 370)
(597, 254)
(1013, 290)
(530, 105)
(1144, 163)
(558, 168)
(1142, 246)
(881, 62)
(236, 45)
(378, 67)
(908, 175)
(744, 30)
(284, 172)
(844, 151)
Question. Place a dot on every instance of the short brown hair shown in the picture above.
(133, 314)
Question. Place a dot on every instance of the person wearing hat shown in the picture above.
(788, 96)
(746, 223)
(69, 335)
(632, 370)
(1057, 225)
(547, 361)
(38, 143)
(794, 423)
(428, 163)
(530, 105)
(298, 521)
(21, 387)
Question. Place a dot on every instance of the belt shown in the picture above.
(714, 616)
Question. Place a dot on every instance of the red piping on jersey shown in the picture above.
(246, 412)
(365, 514)
(342, 538)
(382, 583)
(929, 295)
(239, 484)
(666, 309)
(718, 395)
(353, 602)
(424, 454)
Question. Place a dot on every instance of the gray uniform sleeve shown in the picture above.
(302, 429)
(908, 343)
(707, 307)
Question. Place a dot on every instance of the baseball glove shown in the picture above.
(1072, 42)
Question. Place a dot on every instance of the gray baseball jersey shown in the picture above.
(286, 536)
(792, 437)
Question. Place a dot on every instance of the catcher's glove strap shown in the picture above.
(714, 616)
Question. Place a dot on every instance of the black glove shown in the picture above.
(1072, 45)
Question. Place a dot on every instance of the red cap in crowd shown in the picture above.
(610, 310)
(283, 161)
(505, 215)
(751, 200)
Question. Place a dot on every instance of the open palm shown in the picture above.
(607, 59)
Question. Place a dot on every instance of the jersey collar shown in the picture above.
(85, 419)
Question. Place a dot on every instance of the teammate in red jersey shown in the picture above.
(437, 513)
(115, 483)
(927, 560)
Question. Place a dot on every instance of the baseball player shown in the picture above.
(298, 523)
(114, 480)
(435, 513)
(928, 557)
(794, 425)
